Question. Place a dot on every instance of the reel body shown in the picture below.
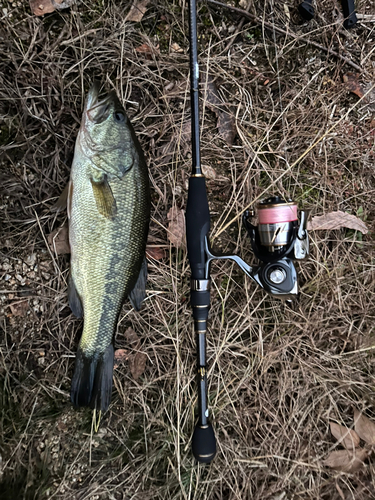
(277, 241)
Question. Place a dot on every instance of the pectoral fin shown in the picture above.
(74, 300)
(137, 295)
(105, 201)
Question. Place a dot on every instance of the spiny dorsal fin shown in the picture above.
(105, 201)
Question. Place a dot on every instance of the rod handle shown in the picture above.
(197, 225)
(204, 443)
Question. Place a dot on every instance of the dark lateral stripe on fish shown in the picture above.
(92, 379)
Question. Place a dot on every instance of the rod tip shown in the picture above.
(204, 443)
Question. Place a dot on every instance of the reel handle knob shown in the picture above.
(204, 443)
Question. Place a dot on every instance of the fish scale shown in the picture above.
(109, 206)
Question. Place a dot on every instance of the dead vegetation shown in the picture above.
(279, 373)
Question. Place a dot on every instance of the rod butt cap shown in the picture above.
(204, 443)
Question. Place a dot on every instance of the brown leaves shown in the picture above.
(176, 227)
(225, 120)
(352, 83)
(42, 7)
(121, 355)
(364, 427)
(137, 360)
(148, 50)
(337, 220)
(19, 308)
(58, 240)
(137, 11)
(155, 252)
(351, 459)
(345, 460)
(137, 364)
(345, 436)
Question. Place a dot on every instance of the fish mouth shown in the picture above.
(97, 110)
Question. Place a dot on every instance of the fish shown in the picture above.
(108, 205)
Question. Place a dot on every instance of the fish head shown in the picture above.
(107, 137)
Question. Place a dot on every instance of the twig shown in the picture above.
(270, 26)
(238, 29)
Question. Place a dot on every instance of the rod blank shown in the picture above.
(197, 229)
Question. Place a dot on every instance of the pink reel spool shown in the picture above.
(278, 213)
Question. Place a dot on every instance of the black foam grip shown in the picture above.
(204, 443)
(197, 225)
(348, 8)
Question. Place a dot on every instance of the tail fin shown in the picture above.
(92, 379)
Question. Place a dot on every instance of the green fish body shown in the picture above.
(109, 212)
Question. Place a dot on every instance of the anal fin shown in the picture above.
(137, 295)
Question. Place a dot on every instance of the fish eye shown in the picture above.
(119, 116)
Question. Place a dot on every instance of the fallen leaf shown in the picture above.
(346, 461)
(147, 49)
(176, 48)
(155, 253)
(137, 11)
(347, 437)
(360, 89)
(132, 338)
(364, 427)
(226, 127)
(337, 220)
(121, 355)
(42, 7)
(137, 364)
(176, 227)
(19, 308)
(225, 120)
(209, 172)
(58, 240)
(353, 84)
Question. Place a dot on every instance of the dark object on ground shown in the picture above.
(349, 13)
(306, 11)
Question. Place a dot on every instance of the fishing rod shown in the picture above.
(279, 238)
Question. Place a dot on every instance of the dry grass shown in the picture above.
(278, 372)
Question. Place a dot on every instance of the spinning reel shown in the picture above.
(279, 238)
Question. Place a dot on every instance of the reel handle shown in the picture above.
(204, 443)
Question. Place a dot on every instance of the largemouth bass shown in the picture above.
(109, 210)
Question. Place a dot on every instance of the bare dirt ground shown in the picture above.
(279, 373)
